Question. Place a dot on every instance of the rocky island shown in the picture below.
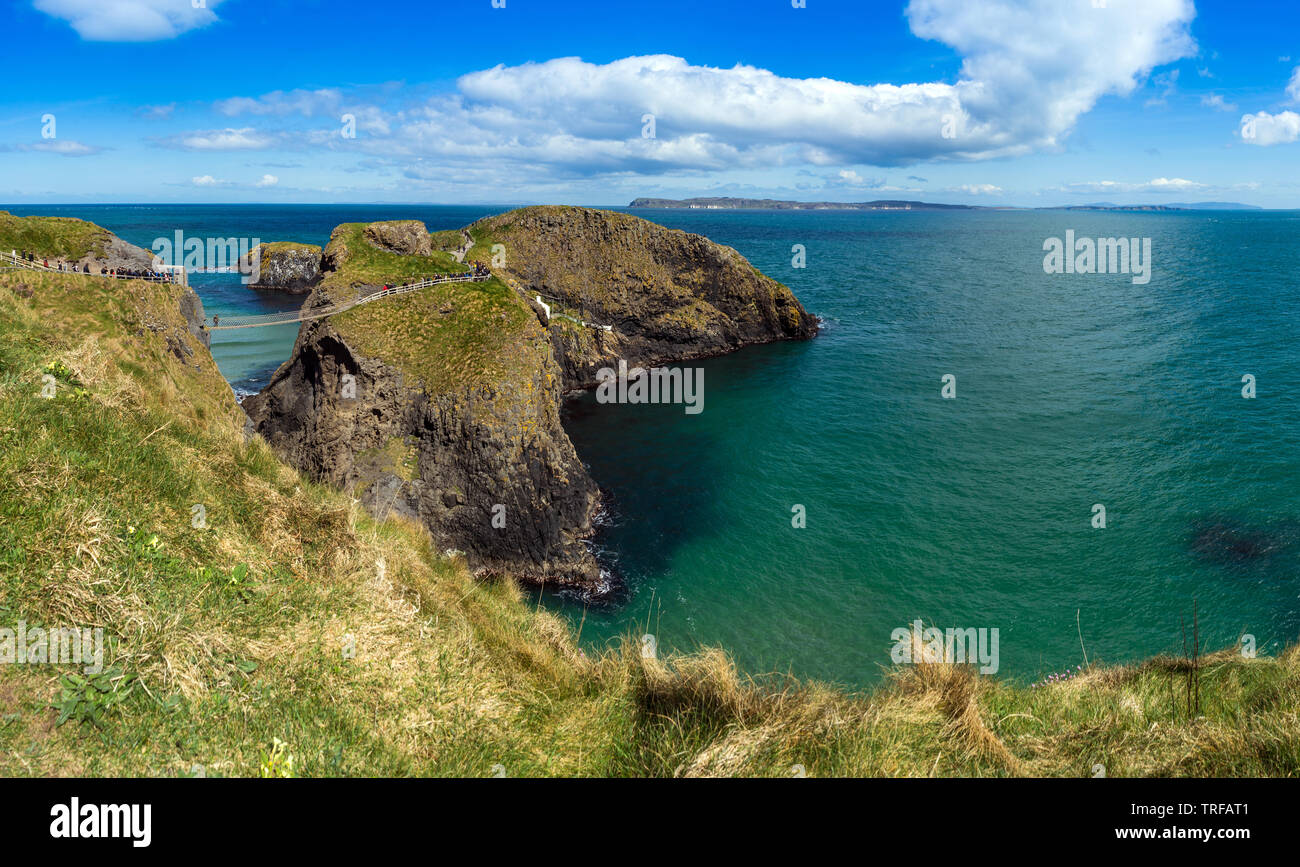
(286, 267)
(444, 404)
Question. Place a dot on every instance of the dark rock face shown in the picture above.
(292, 268)
(192, 309)
(667, 295)
(407, 237)
(120, 254)
(488, 470)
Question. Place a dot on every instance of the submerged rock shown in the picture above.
(1230, 542)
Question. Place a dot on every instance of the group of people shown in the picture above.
(137, 274)
(31, 257)
(84, 268)
(479, 270)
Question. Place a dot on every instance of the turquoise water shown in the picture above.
(974, 512)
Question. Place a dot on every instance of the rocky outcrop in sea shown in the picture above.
(444, 404)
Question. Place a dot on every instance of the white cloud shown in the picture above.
(1030, 69)
(1172, 184)
(1214, 100)
(1012, 96)
(976, 189)
(156, 112)
(1168, 84)
(63, 147)
(1156, 185)
(268, 181)
(222, 140)
(1266, 129)
(130, 20)
(849, 179)
(279, 102)
(207, 181)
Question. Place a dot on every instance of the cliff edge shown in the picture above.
(444, 404)
(666, 295)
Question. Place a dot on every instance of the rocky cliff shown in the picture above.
(286, 267)
(668, 295)
(444, 404)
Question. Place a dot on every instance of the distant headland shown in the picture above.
(728, 203)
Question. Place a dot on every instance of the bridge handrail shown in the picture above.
(17, 261)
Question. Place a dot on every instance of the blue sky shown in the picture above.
(1021, 102)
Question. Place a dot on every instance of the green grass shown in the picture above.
(449, 335)
(51, 237)
(365, 263)
(228, 640)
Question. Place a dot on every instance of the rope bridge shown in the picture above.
(304, 315)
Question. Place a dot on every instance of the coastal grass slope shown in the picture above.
(354, 258)
(448, 335)
(54, 237)
(228, 651)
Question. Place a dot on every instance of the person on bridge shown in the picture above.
(215, 319)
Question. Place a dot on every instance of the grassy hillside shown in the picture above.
(51, 236)
(363, 262)
(446, 335)
(229, 641)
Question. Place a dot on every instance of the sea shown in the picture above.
(1096, 465)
